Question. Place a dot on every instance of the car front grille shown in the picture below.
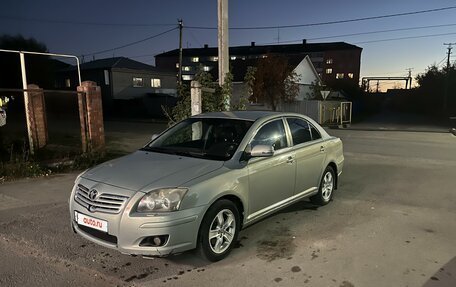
(99, 234)
(104, 202)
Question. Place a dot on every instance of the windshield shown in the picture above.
(209, 138)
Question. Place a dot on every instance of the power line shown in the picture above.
(141, 56)
(367, 33)
(194, 38)
(53, 21)
(405, 38)
(132, 43)
(441, 62)
(329, 22)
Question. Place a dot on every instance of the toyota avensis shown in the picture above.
(202, 180)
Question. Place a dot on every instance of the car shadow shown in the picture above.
(444, 277)
(191, 258)
(194, 259)
(302, 205)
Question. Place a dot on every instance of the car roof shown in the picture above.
(244, 115)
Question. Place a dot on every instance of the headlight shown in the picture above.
(159, 200)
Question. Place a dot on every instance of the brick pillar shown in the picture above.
(37, 113)
(91, 116)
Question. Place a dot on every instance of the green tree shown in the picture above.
(437, 90)
(275, 81)
(211, 101)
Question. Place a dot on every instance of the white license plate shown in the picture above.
(91, 222)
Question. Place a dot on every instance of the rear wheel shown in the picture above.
(219, 230)
(327, 184)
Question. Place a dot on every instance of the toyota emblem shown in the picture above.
(93, 194)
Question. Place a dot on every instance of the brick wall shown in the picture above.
(91, 116)
(37, 113)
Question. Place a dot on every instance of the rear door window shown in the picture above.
(300, 130)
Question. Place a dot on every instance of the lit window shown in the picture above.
(350, 75)
(329, 61)
(138, 82)
(186, 68)
(329, 71)
(264, 56)
(214, 59)
(195, 59)
(67, 83)
(177, 65)
(233, 58)
(155, 83)
(106, 77)
(187, 77)
(206, 68)
(339, 75)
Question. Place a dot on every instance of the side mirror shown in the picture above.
(262, 151)
(154, 136)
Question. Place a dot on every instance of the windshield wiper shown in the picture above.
(175, 152)
(157, 149)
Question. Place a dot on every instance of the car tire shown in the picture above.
(326, 189)
(219, 230)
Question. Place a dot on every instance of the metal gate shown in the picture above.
(54, 123)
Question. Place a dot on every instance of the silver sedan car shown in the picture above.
(200, 182)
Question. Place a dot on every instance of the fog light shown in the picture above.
(157, 241)
(154, 241)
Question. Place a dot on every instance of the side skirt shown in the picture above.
(279, 205)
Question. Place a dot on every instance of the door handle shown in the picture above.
(290, 159)
(322, 148)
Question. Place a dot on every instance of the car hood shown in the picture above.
(144, 169)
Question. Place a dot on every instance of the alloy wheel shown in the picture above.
(328, 185)
(222, 231)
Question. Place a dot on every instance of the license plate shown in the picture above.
(91, 222)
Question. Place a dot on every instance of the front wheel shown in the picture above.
(327, 184)
(219, 230)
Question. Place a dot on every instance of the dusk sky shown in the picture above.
(85, 27)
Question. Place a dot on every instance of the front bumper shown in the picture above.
(127, 229)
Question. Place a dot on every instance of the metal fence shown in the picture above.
(324, 112)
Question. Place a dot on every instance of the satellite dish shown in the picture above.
(324, 94)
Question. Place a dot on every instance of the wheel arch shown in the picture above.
(227, 196)
(333, 165)
(235, 199)
(231, 197)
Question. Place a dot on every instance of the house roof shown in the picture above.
(305, 71)
(115, 62)
(264, 49)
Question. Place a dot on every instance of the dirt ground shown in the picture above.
(391, 223)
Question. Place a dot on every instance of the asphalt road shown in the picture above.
(392, 223)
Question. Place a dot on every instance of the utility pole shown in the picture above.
(409, 77)
(278, 35)
(445, 95)
(450, 47)
(223, 45)
(179, 74)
